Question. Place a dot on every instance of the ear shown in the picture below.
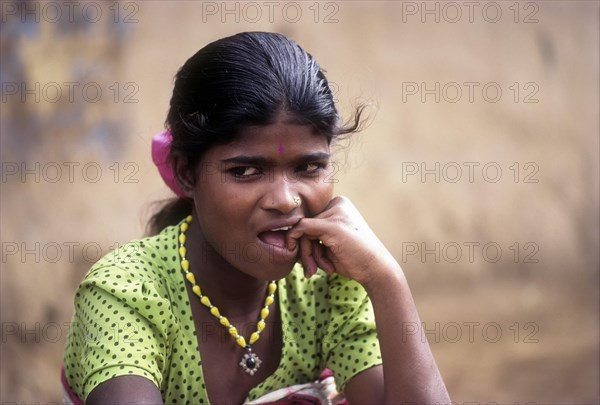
(184, 175)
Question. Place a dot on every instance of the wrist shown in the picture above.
(387, 275)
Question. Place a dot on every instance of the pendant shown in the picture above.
(250, 362)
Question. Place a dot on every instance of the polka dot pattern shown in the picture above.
(133, 316)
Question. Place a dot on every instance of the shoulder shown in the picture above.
(124, 320)
(148, 261)
(143, 257)
(139, 280)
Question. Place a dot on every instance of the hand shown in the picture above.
(338, 240)
(350, 248)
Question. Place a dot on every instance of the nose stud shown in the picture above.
(297, 201)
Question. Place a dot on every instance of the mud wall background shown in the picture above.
(479, 170)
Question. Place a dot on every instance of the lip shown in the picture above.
(279, 224)
(279, 253)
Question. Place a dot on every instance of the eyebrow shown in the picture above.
(262, 161)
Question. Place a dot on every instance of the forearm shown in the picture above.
(410, 371)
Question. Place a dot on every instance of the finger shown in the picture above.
(319, 253)
(308, 261)
(313, 228)
(332, 254)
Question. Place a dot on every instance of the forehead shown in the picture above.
(281, 138)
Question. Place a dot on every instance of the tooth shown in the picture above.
(283, 228)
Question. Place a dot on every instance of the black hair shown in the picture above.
(245, 79)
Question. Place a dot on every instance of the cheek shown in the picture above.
(318, 197)
(222, 219)
(221, 203)
(216, 203)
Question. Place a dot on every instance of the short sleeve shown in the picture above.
(122, 325)
(350, 343)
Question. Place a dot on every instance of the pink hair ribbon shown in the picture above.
(161, 146)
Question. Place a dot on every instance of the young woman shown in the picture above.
(225, 303)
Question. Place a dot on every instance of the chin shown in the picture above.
(277, 261)
(272, 270)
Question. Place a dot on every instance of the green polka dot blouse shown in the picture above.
(133, 316)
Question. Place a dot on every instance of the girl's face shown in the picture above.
(246, 193)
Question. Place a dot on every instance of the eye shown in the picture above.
(311, 168)
(242, 172)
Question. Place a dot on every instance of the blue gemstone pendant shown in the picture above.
(250, 362)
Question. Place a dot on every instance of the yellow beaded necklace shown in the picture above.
(250, 361)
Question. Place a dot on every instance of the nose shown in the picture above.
(281, 195)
